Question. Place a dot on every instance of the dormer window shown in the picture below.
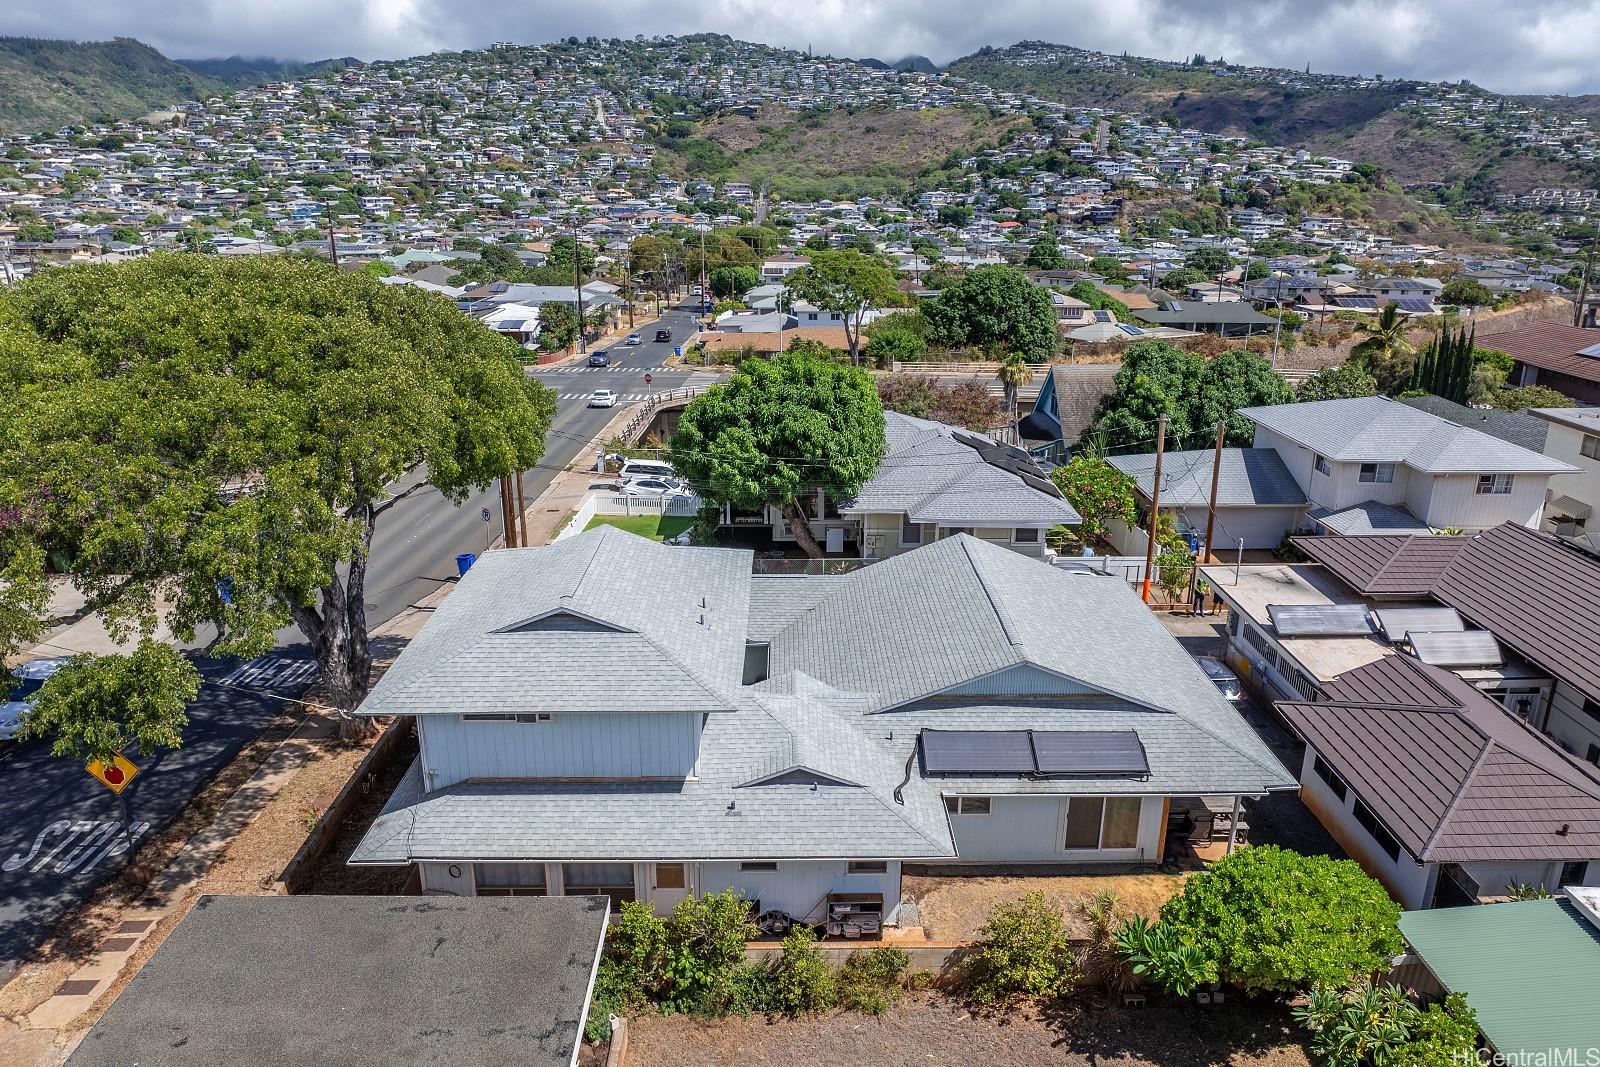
(756, 661)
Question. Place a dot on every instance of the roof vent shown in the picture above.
(1564, 828)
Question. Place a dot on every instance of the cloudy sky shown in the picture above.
(1536, 46)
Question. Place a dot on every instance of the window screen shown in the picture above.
(1083, 822)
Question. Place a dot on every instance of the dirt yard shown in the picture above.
(932, 1030)
(954, 904)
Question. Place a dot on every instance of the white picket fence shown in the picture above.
(614, 504)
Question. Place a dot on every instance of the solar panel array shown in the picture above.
(1011, 460)
(1423, 307)
(1397, 622)
(1320, 620)
(1357, 303)
(1033, 752)
(1467, 648)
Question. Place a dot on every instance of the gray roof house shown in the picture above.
(612, 715)
(1257, 498)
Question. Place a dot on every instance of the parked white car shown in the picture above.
(655, 487)
(603, 398)
(30, 677)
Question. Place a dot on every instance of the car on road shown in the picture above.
(696, 291)
(30, 678)
(600, 359)
(1225, 680)
(655, 487)
(663, 337)
(633, 339)
(602, 398)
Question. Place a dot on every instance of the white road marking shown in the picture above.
(271, 672)
(92, 840)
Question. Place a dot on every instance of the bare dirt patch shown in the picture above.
(954, 905)
(934, 1029)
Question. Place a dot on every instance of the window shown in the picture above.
(509, 879)
(759, 865)
(867, 867)
(1381, 473)
(1329, 776)
(1591, 709)
(1083, 822)
(1322, 466)
(1575, 872)
(1025, 536)
(1494, 484)
(1593, 755)
(1590, 448)
(757, 655)
(966, 805)
(1122, 823)
(1368, 820)
(910, 532)
(614, 880)
(543, 716)
(1262, 644)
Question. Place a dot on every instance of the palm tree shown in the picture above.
(1013, 374)
(1386, 353)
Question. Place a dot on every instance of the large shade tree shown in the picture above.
(994, 307)
(1157, 379)
(849, 284)
(778, 430)
(212, 441)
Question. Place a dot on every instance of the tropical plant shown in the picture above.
(1098, 492)
(1099, 961)
(1013, 373)
(1386, 354)
(1341, 381)
(871, 982)
(1379, 1026)
(803, 981)
(779, 429)
(1153, 953)
(1023, 949)
(1174, 565)
(1526, 891)
(1272, 919)
(1157, 378)
(558, 325)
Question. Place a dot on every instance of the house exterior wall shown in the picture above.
(1454, 501)
(574, 745)
(1565, 443)
(1344, 487)
(1260, 527)
(1408, 881)
(800, 887)
(880, 535)
(1573, 728)
(1032, 829)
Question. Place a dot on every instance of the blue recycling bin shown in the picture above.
(465, 561)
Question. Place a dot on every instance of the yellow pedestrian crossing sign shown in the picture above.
(116, 774)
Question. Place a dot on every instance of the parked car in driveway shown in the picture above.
(602, 398)
(600, 359)
(633, 339)
(29, 678)
(655, 487)
(663, 337)
(1225, 680)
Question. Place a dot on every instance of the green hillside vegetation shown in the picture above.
(48, 84)
(836, 153)
(242, 71)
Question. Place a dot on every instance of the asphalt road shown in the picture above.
(61, 831)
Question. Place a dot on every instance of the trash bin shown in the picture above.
(465, 561)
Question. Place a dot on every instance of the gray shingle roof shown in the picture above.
(1370, 517)
(812, 758)
(1377, 429)
(931, 476)
(1447, 770)
(1518, 427)
(1250, 477)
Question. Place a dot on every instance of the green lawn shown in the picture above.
(655, 527)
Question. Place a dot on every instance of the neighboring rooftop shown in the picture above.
(1259, 587)
(1520, 428)
(1370, 517)
(1377, 429)
(1250, 477)
(1551, 346)
(1529, 970)
(1585, 419)
(1455, 778)
(305, 981)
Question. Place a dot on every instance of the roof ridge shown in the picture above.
(1445, 816)
(994, 605)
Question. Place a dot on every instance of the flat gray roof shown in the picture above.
(359, 982)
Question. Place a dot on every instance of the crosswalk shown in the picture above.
(622, 398)
(586, 369)
(272, 672)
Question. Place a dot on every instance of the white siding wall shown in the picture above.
(1569, 724)
(1295, 457)
(1260, 527)
(1032, 829)
(800, 886)
(1409, 882)
(575, 745)
(1455, 502)
(1564, 443)
(1344, 488)
(436, 878)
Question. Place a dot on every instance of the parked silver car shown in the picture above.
(1225, 680)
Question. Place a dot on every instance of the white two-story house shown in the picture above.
(611, 715)
(1371, 465)
(1573, 438)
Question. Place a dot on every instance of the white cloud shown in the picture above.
(1531, 46)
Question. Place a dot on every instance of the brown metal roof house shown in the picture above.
(1565, 358)
(1537, 596)
(1438, 793)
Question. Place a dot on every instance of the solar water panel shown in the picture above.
(1468, 648)
(1320, 620)
(1396, 622)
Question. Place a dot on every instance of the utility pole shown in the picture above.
(522, 514)
(508, 521)
(627, 282)
(577, 275)
(702, 267)
(333, 243)
(1211, 508)
(1155, 509)
(1588, 270)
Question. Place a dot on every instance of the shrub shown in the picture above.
(871, 982)
(804, 983)
(1380, 1025)
(1152, 952)
(1022, 950)
(752, 989)
(705, 951)
(613, 993)
(636, 947)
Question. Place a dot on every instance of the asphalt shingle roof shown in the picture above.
(1250, 477)
(1370, 517)
(1377, 429)
(1518, 427)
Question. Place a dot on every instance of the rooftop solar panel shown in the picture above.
(1320, 620)
(1089, 752)
(1356, 302)
(1396, 622)
(1468, 648)
(977, 752)
(1415, 304)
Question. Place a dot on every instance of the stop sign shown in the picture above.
(647, 379)
(113, 775)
